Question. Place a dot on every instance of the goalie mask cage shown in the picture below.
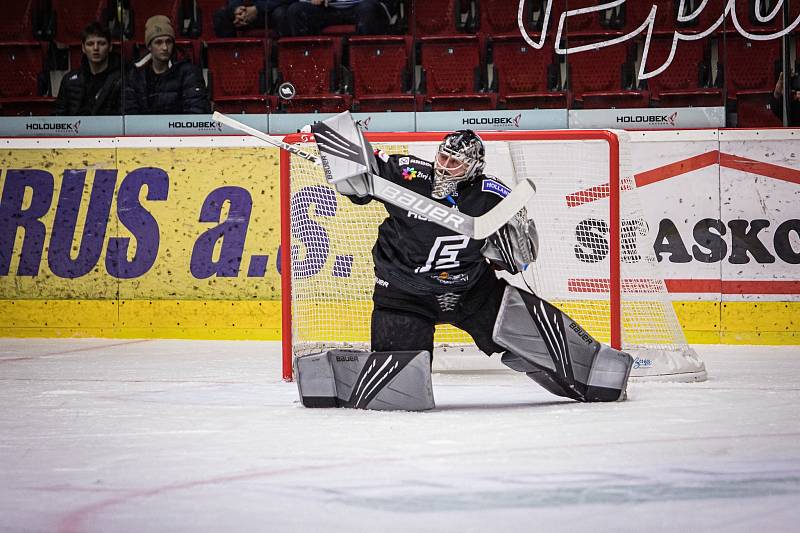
(594, 262)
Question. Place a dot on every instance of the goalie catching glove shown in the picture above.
(347, 157)
(514, 246)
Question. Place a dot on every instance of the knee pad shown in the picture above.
(553, 350)
(383, 381)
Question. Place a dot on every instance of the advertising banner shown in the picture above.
(677, 118)
(61, 126)
(164, 236)
(132, 233)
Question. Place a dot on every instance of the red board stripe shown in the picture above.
(593, 285)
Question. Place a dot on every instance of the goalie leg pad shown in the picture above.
(384, 381)
(553, 350)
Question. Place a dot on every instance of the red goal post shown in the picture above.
(586, 201)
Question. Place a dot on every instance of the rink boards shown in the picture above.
(179, 237)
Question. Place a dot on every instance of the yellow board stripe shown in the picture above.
(776, 323)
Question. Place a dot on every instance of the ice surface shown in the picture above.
(145, 436)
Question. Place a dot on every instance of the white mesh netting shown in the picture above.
(332, 275)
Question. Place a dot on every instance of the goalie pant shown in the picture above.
(533, 336)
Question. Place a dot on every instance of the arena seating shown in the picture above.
(500, 17)
(686, 82)
(444, 55)
(26, 91)
(749, 66)
(381, 73)
(593, 23)
(600, 78)
(453, 74)
(311, 65)
(202, 17)
(524, 76)
(750, 71)
(437, 17)
(635, 13)
(17, 21)
(237, 73)
(70, 17)
(754, 111)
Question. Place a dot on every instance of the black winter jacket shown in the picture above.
(74, 86)
(179, 90)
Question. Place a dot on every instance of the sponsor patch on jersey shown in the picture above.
(402, 161)
(446, 278)
(409, 173)
(493, 186)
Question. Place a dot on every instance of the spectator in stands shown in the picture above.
(241, 15)
(310, 17)
(94, 88)
(794, 99)
(160, 85)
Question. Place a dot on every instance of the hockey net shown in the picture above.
(594, 260)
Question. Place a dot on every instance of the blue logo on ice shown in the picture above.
(498, 188)
(642, 363)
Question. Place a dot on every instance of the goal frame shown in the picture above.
(607, 136)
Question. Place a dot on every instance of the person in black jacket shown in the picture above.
(251, 14)
(94, 88)
(794, 100)
(310, 17)
(160, 85)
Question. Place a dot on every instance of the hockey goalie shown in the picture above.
(427, 274)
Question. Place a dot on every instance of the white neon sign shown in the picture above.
(648, 25)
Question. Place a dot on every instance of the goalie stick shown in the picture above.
(479, 227)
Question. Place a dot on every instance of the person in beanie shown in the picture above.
(158, 84)
(94, 88)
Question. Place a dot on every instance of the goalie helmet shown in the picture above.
(459, 158)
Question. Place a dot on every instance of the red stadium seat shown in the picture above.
(329, 103)
(524, 76)
(237, 73)
(754, 111)
(202, 17)
(452, 69)
(144, 9)
(686, 79)
(636, 12)
(500, 16)
(26, 86)
(749, 66)
(747, 18)
(596, 22)
(437, 17)
(17, 20)
(381, 72)
(309, 63)
(597, 78)
(72, 17)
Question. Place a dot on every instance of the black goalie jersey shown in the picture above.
(418, 256)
